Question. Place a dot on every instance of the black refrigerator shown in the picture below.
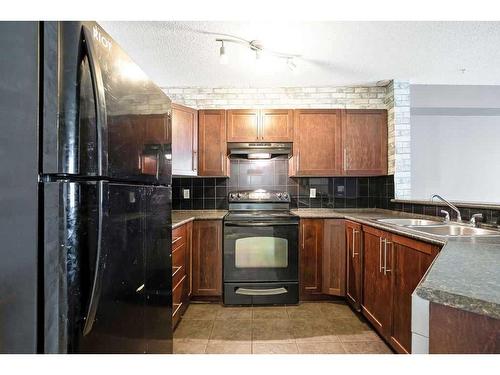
(98, 250)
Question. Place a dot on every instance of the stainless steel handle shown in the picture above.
(100, 104)
(195, 161)
(258, 128)
(303, 235)
(354, 231)
(100, 260)
(345, 159)
(261, 292)
(380, 253)
(260, 224)
(385, 257)
(222, 161)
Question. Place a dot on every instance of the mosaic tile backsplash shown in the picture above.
(331, 192)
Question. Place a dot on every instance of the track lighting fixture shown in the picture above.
(223, 59)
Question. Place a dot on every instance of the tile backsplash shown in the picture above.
(331, 192)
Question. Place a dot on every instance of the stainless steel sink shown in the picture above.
(410, 222)
(453, 230)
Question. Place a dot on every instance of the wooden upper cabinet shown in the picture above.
(317, 148)
(364, 139)
(411, 261)
(212, 146)
(276, 125)
(184, 140)
(265, 125)
(310, 259)
(353, 238)
(333, 257)
(242, 125)
(207, 258)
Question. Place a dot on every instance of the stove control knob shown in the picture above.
(232, 196)
(279, 195)
(239, 196)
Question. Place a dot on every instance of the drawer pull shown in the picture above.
(176, 269)
(261, 292)
(175, 239)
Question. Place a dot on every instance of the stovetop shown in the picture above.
(259, 204)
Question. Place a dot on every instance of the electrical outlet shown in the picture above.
(312, 193)
(185, 193)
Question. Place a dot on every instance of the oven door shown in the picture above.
(261, 251)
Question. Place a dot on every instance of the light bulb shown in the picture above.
(223, 59)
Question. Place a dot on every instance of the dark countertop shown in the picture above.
(184, 216)
(465, 274)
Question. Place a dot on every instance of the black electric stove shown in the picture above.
(260, 249)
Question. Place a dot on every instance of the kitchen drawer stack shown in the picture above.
(181, 260)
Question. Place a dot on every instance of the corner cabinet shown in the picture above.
(321, 258)
(184, 141)
(317, 144)
(364, 139)
(207, 258)
(212, 146)
(259, 125)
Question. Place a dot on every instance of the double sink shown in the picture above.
(440, 228)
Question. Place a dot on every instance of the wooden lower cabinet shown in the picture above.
(321, 258)
(333, 258)
(207, 258)
(181, 270)
(353, 238)
(377, 282)
(411, 259)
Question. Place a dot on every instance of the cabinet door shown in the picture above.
(243, 125)
(311, 243)
(377, 295)
(317, 142)
(276, 125)
(334, 256)
(411, 261)
(212, 159)
(184, 141)
(207, 258)
(364, 134)
(353, 278)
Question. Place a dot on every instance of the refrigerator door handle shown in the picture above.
(95, 290)
(100, 103)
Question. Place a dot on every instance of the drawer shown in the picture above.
(179, 236)
(179, 257)
(178, 297)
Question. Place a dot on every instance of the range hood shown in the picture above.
(259, 150)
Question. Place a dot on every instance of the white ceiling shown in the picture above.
(334, 53)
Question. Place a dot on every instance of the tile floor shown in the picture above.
(310, 328)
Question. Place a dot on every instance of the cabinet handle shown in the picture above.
(385, 257)
(303, 235)
(354, 231)
(195, 161)
(380, 253)
(345, 159)
(222, 161)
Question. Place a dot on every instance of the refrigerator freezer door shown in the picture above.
(101, 293)
(111, 120)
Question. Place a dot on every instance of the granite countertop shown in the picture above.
(465, 274)
(180, 217)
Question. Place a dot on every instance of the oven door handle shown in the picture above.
(261, 292)
(268, 224)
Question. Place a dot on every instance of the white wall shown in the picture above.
(455, 142)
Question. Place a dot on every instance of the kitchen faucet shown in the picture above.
(451, 205)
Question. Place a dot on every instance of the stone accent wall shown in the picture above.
(394, 97)
(372, 97)
(399, 143)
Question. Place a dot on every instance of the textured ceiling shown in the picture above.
(334, 53)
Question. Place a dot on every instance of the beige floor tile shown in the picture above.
(315, 330)
(349, 326)
(193, 329)
(304, 311)
(320, 348)
(269, 312)
(272, 330)
(370, 336)
(229, 347)
(190, 346)
(366, 348)
(232, 330)
(333, 310)
(274, 348)
(234, 313)
(201, 311)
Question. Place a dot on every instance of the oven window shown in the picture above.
(261, 252)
